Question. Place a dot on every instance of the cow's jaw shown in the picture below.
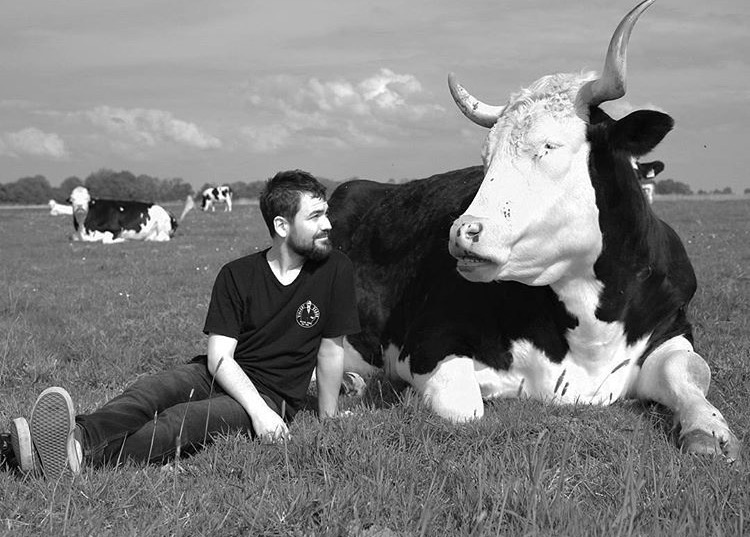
(79, 213)
(80, 200)
(534, 219)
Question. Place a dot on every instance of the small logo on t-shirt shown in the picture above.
(308, 315)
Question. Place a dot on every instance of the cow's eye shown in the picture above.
(546, 149)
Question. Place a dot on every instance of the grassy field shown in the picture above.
(92, 318)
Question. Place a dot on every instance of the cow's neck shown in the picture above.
(591, 338)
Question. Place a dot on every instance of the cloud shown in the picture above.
(17, 103)
(336, 113)
(34, 142)
(266, 139)
(148, 127)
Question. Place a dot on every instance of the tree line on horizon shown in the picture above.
(670, 186)
(122, 185)
(125, 185)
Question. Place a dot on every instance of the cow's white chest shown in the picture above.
(594, 373)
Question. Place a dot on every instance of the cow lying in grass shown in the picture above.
(543, 274)
(58, 209)
(111, 221)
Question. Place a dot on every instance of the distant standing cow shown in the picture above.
(111, 221)
(647, 171)
(217, 194)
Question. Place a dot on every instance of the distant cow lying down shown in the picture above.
(110, 221)
(57, 209)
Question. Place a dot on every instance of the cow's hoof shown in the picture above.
(701, 443)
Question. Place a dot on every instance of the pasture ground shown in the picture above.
(92, 318)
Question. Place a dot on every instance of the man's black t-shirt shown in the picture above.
(278, 327)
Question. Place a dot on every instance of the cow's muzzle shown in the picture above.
(79, 214)
(465, 235)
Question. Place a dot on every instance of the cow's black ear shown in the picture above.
(640, 131)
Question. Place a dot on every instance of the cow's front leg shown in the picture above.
(451, 390)
(677, 377)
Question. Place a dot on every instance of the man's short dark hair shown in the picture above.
(281, 195)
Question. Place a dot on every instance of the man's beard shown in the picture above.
(316, 249)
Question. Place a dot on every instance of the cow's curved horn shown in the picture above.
(612, 83)
(480, 113)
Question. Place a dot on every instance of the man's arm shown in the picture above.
(221, 364)
(329, 373)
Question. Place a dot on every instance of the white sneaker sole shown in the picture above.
(23, 448)
(52, 425)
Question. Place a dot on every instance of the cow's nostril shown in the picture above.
(472, 230)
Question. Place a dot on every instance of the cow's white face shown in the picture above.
(534, 218)
(80, 198)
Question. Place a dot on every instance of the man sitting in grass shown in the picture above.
(271, 315)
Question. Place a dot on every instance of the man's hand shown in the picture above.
(269, 426)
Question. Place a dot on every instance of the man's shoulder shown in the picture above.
(246, 261)
(244, 267)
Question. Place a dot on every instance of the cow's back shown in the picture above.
(115, 216)
(396, 236)
(348, 206)
(396, 223)
(129, 220)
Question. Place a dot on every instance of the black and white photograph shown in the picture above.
(375, 269)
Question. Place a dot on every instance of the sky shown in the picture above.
(218, 92)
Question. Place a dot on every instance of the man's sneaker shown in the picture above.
(52, 425)
(7, 457)
(23, 449)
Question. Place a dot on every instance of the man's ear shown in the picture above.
(281, 226)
